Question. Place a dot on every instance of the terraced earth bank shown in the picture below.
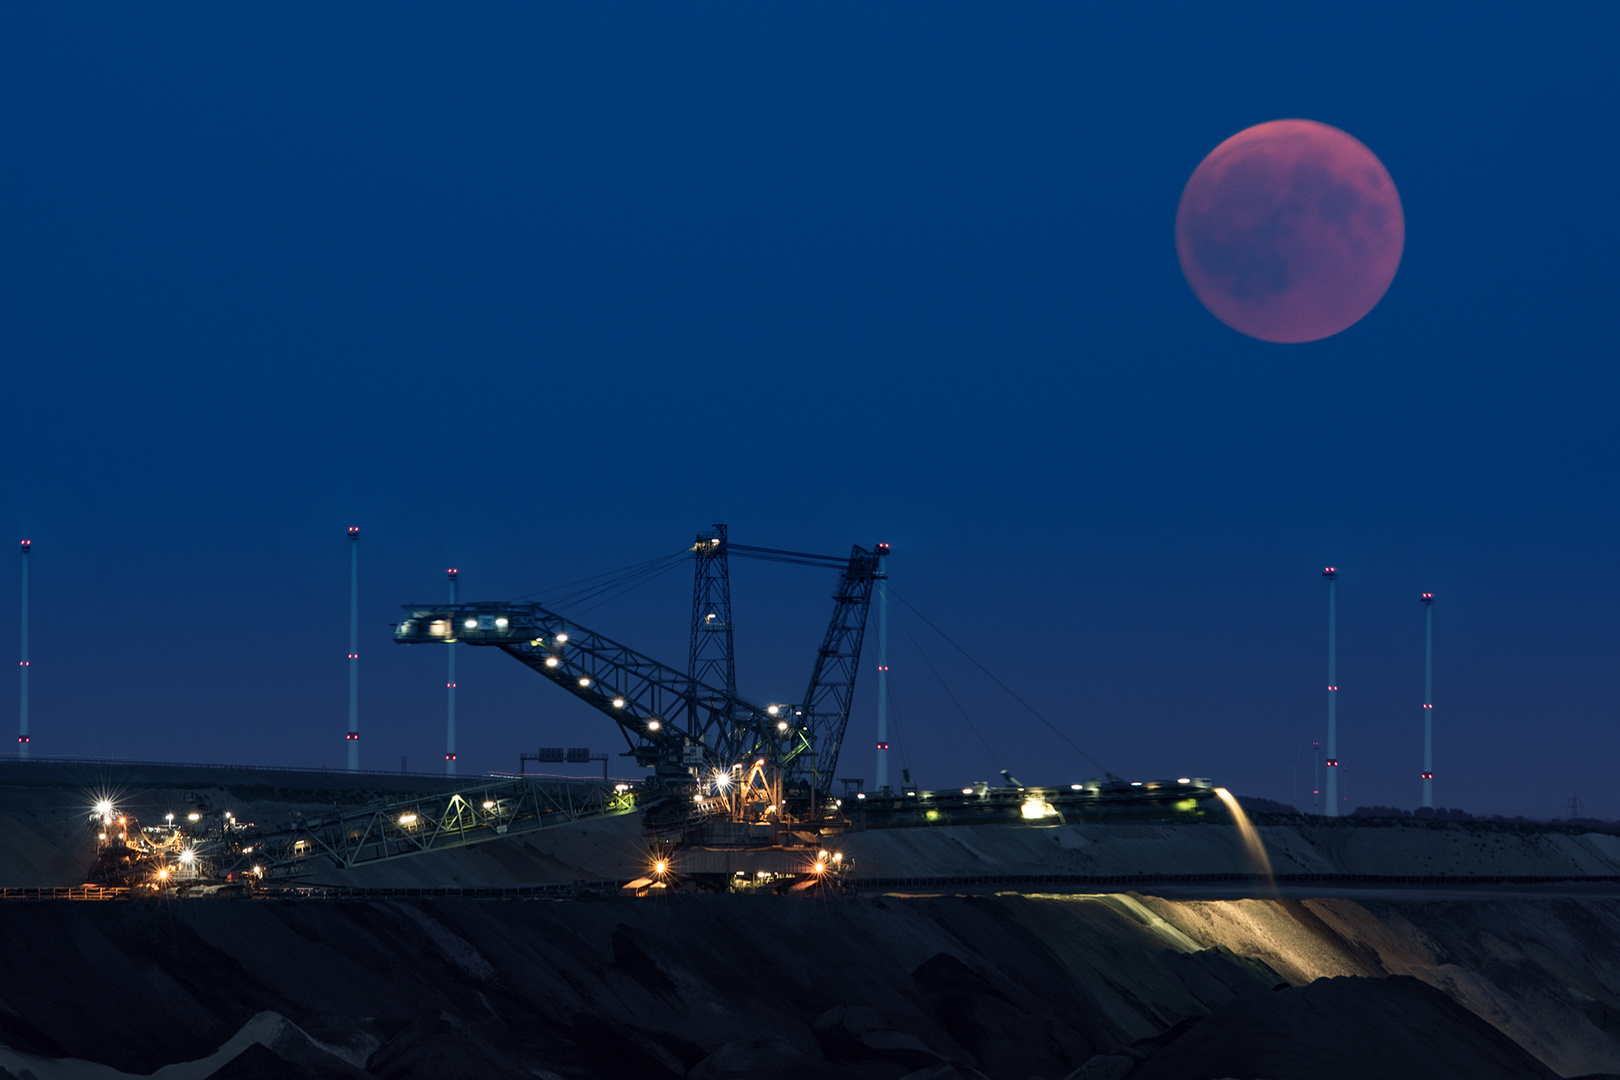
(879, 987)
(1473, 982)
(47, 839)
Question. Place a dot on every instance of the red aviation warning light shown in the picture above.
(1426, 598)
(1428, 776)
(1329, 572)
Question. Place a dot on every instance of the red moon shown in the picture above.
(1290, 231)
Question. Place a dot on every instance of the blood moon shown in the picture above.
(1290, 231)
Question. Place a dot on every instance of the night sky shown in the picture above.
(542, 295)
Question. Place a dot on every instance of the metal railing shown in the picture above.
(73, 892)
(966, 880)
(562, 890)
(417, 823)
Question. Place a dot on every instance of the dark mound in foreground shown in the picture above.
(1343, 1029)
(798, 988)
(259, 1062)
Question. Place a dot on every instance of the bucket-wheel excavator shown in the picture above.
(739, 795)
(726, 772)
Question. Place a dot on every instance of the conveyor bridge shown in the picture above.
(471, 813)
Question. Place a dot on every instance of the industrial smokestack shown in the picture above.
(1427, 600)
(883, 669)
(1332, 576)
(450, 692)
(22, 664)
(354, 649)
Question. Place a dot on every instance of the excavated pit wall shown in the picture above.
(1309, 846)
(46, 838)
(871, 986)
(875, 987)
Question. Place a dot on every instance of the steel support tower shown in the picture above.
(22, 664)
(712, 659)
(1427, 600)
(1332, 576)
(832, 681)
(686, 733)
(450, 690)
(353, 740)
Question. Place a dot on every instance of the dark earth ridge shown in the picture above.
(881, 987)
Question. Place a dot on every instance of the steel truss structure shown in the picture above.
(712, 659)
(691, 727)
(423, 822)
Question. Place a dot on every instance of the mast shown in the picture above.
(354, 649)
(450, 692)
(1332, 576)
(1427, 600)
(22, 664)
(882, 576)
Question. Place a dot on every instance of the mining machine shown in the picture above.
(727, 772)
(740, 795)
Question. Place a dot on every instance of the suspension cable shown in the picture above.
(899, 733)
(598, 588)
(1036, 713)
(628, 589)
(554, 590)
(624, 583)
(943, 686)
(749, 551)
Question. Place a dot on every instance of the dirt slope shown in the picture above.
(1345, 846)
(1356, 1028)
(46, 838)
(876, 987)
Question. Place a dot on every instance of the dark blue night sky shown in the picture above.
(540, 295)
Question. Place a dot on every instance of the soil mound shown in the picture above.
(259, 1062)
(1346, 1028)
